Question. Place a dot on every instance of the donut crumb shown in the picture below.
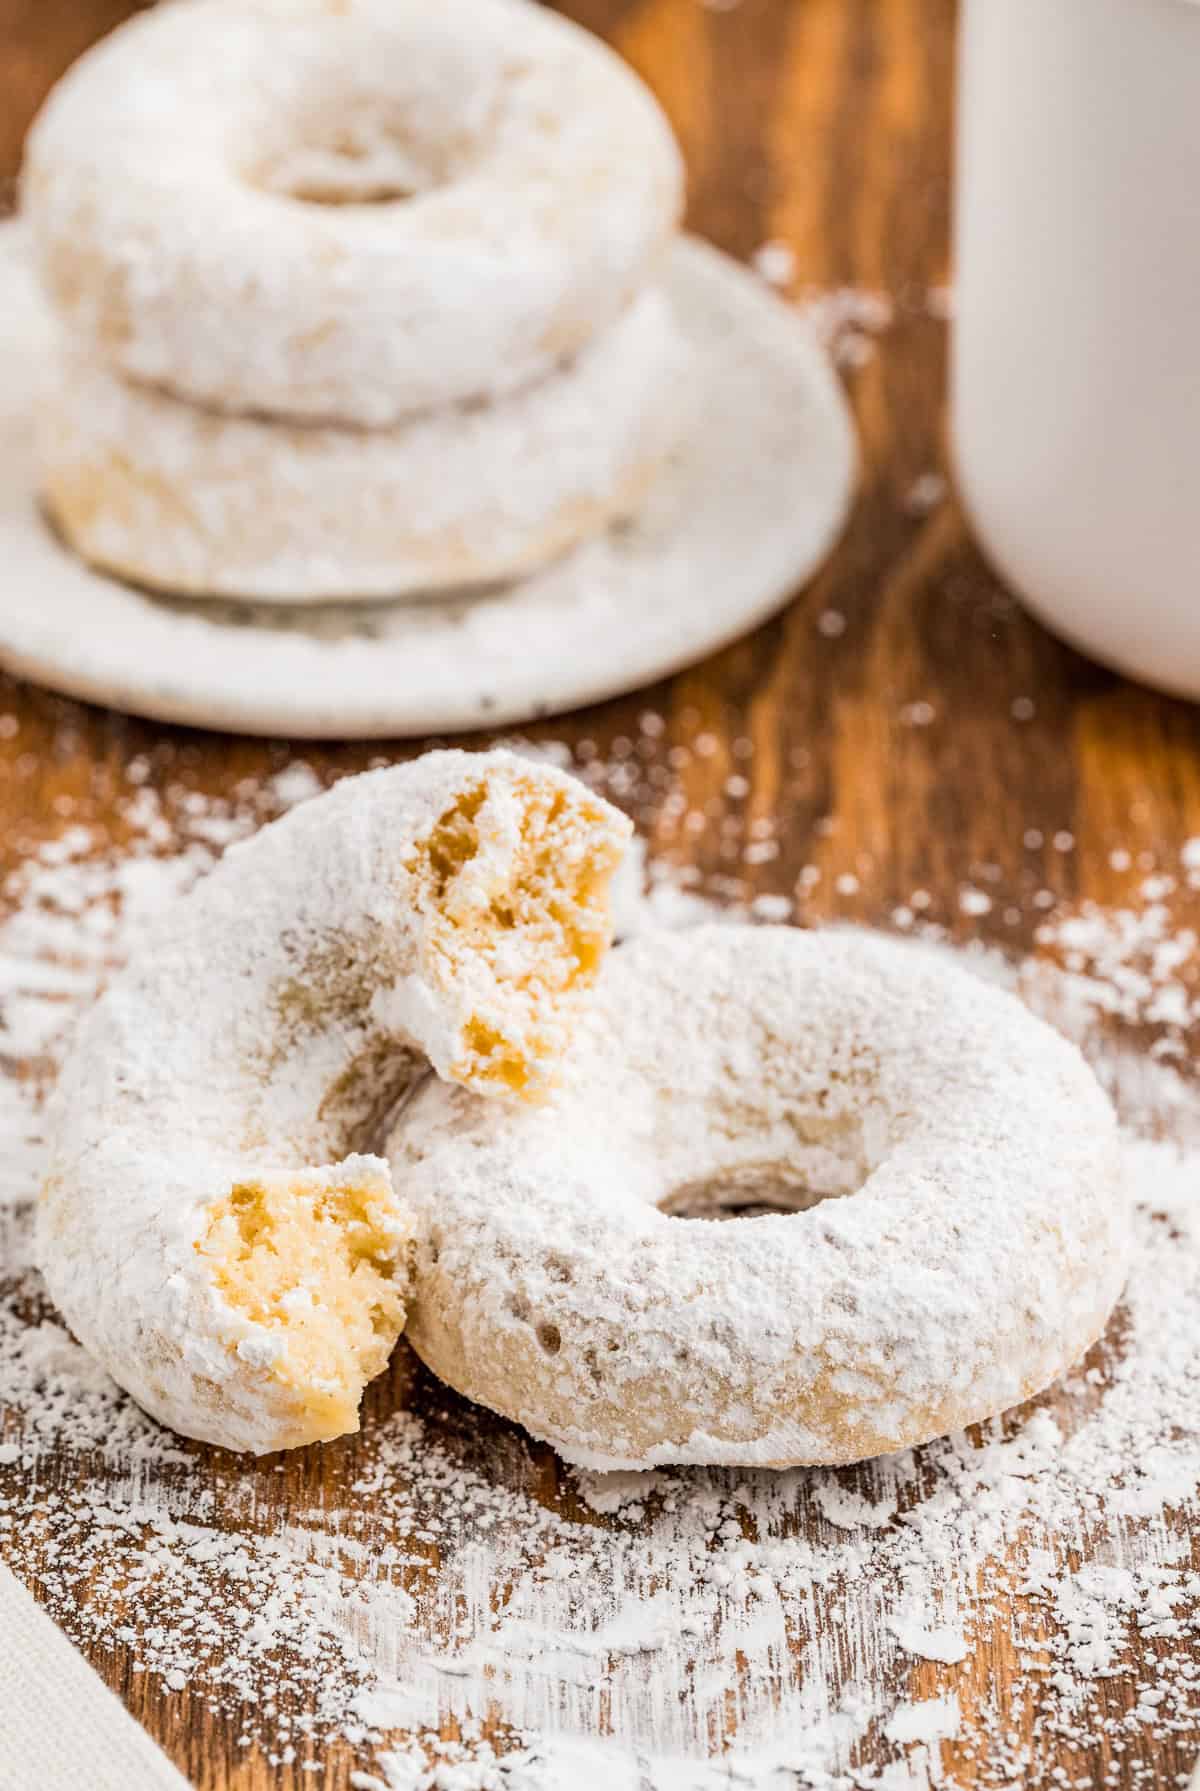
(315, 1257)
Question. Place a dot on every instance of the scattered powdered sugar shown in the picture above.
(935, 1719)
(436, 1600)
(946, 1645)
(776, 262)
(925, 493)
(848, 320)
(1134, 963)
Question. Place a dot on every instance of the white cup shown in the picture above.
(1076, 380)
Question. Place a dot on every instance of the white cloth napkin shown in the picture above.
(61, 1729)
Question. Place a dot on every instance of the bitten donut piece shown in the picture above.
(189, 501)
(202, 1228)
(936, 1228)
(347, 210)
(318, 1261)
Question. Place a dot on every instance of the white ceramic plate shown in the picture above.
(750, 507)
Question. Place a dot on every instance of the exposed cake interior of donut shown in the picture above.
(514, 883)
(318, 1258)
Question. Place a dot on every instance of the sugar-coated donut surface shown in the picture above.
(201, 1228)
(966, 1248)
(187, 500)
(347, 209)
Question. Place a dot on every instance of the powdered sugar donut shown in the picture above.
(187, 500)
(347, 209)
(201, 1228)
(968, 1244)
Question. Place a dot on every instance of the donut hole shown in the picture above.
(317, 1260)
(360, 162)
(751, 1191)
(378, 122)
(790, 1156)
(515, 889)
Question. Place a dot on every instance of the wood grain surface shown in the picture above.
(909, 728)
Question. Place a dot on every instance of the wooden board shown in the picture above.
(902, 727)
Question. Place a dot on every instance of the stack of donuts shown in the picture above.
(360, 298)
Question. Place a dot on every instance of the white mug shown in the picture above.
(1076, 367)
